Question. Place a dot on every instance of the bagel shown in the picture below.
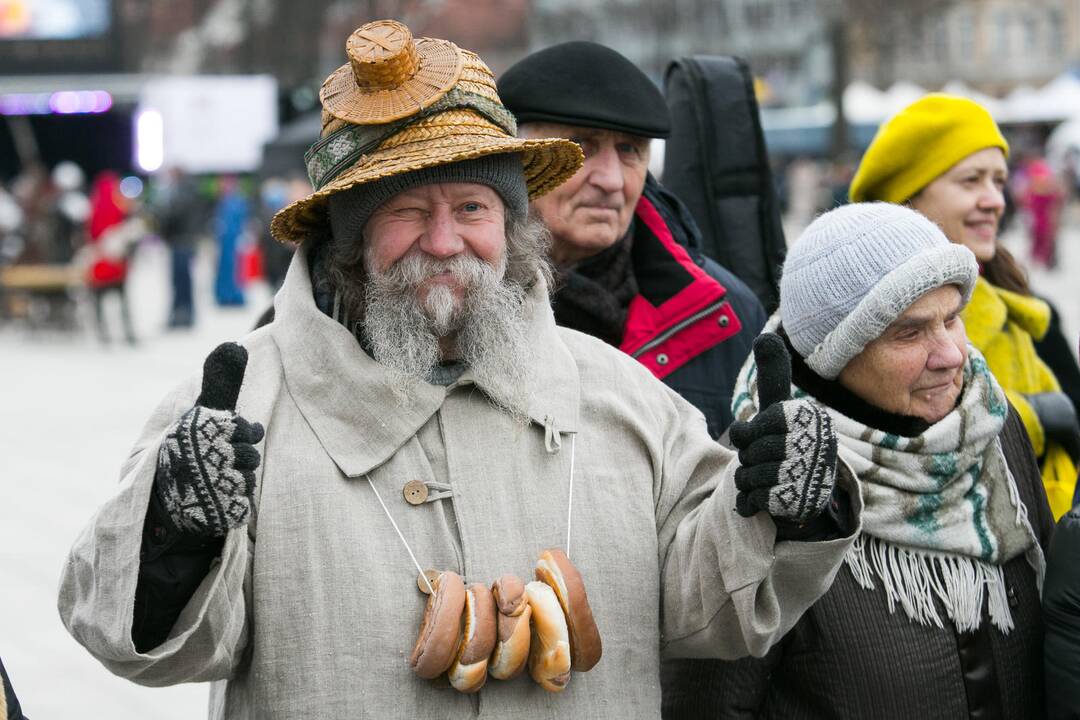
(469, 670)
(555, 570)
(549, 648)
(512, 645)
(440, 631)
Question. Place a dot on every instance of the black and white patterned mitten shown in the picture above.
(787, 452)
(206, 464)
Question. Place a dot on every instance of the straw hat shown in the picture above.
(401, 105)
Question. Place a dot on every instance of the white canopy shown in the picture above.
(1058, 100)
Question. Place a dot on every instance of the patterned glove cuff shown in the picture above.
(808, 472)
(198, 484)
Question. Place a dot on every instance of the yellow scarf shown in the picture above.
(1003, 326)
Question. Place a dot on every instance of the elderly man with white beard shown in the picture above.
(413, 419)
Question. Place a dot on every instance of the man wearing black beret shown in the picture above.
(627, 251)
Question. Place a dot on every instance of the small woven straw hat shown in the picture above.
(402, 105)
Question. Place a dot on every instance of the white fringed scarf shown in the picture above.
(942, 513)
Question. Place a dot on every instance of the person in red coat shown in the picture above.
(109, 265)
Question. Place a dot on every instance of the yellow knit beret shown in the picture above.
(920, 143)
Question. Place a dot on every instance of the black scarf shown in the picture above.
(592, 296)
(832, 394)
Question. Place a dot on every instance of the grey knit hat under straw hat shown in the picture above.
(857, 268)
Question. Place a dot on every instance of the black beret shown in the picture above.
(585, 84)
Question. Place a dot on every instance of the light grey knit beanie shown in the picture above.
(857, 268)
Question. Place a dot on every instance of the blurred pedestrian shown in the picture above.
(35, 193)
(1070, 173)
(627, 252)
(181, 219)
(805, 188)
(230, 221)
(414, 371)
(109, 248)
(11, 224)
(945, 157)
(840, 172)
(69, 213)
(1042, 198)
(935, 612)
(273, 195)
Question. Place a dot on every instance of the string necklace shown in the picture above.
(412, 555)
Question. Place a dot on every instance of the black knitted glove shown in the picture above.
(206, 465)
(1058, 417)
(787, 452)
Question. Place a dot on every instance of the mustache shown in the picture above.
(415, 268)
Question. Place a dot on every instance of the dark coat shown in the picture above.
(11, 707)
(1061, 613)
(182, 215)
(849, 657)
(693, 322)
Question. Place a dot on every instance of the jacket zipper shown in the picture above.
(677, 327)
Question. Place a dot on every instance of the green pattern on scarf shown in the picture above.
(925, 515)
(978, 512)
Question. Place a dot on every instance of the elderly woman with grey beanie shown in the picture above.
(936, 612)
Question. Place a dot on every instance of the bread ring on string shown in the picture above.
(512, 644)
(555, 569)
(549, 647)
(469, 670)
(440, 631)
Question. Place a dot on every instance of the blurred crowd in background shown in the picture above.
(67, 242)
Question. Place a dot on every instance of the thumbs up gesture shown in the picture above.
(206, 465)
(787, 452)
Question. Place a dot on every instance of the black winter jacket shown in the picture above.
(1061, 614)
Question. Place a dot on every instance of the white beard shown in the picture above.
(486, 327)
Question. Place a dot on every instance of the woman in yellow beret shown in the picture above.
(945, 157)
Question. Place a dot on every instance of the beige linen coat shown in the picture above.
(313, 609)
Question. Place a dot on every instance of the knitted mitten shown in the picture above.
(206, 465)
(787, 452)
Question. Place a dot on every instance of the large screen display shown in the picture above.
(54, 19)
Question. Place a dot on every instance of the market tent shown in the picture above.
(864, 103)
(959, 87)
(1058, 100)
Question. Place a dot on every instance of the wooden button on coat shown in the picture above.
(432, 576)
(415, 492)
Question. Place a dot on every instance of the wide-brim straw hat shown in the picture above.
(401, 105)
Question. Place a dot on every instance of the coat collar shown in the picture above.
(346, 397)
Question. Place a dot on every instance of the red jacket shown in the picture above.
(693, 322)
(106, 212)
